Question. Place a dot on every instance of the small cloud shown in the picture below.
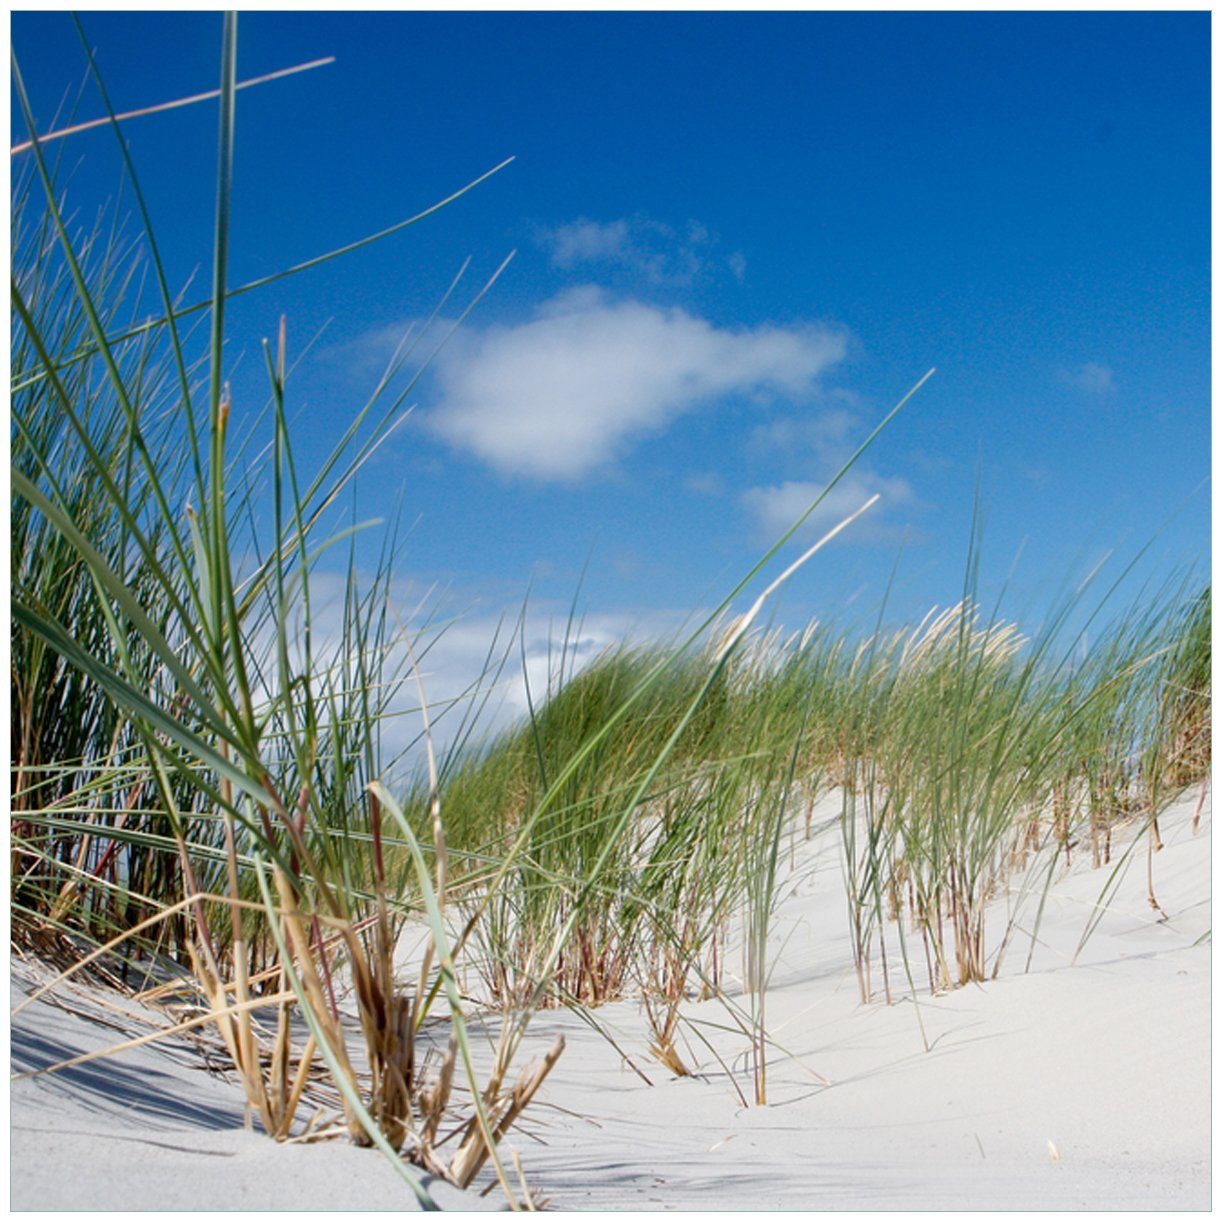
(777, 507)
(827, 434)
(648, 249)
(823, 441)
(1093, 378)
(588, 242)
(574, 387)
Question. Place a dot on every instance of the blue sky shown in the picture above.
(740, 239)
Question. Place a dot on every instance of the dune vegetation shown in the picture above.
(204, 811)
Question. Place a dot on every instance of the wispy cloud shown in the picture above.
(1093, 378)
(832, 432)
(587, 242)
(570, 390)
(653, 250)
(821, 441)
(777, 507)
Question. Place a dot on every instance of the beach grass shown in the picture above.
(202, 801)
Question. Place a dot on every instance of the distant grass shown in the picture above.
(968, 757)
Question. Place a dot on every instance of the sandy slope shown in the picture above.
(1107, 1060)
(150, 1128)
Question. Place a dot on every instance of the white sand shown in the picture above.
(152, 1129)
(1107, 1062)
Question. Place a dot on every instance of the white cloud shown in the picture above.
(651, 249)
(1093, 378)
(561, 395)
(821, 442)
(587, 241)
(777, 507)
(833, 433)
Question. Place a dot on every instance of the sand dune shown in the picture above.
(1079, 1085)
(1082, 1086)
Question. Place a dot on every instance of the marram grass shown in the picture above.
(201, 801)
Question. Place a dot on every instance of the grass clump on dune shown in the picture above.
(222, 778)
